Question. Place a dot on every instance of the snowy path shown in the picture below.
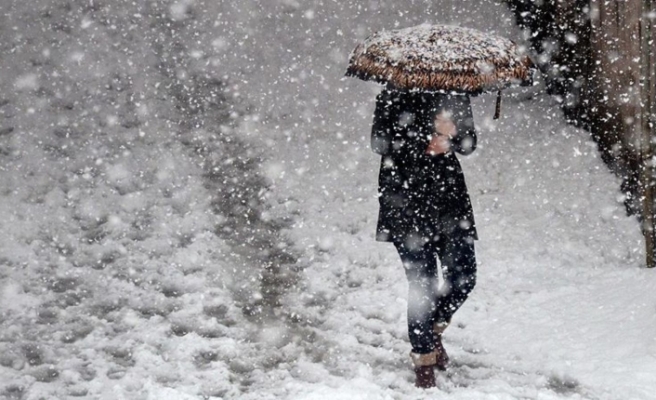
(561, 309)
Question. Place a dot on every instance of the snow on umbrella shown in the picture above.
(440, 58)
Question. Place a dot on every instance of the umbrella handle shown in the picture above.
(497, 110)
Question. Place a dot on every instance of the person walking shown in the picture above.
(422, 118)
(425, 210)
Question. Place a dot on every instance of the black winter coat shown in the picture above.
(421, 196)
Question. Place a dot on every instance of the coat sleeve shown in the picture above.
(384, 124)
(464, 142)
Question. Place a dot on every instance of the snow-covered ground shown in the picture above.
(115, 282)
(561, 308)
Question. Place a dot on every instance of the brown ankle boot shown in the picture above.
(442, 358)
(425, 374)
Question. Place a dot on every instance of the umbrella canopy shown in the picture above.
(440, 58)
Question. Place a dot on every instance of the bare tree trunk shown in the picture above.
(599, 56)
(647, 121)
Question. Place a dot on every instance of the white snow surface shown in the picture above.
(113, 284)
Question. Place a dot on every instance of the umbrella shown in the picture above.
(441, 58)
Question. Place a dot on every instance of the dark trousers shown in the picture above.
(427, 303)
